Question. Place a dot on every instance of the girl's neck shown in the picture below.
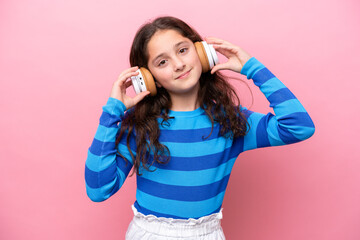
(184, 102)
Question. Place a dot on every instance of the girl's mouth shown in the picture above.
(184, 75)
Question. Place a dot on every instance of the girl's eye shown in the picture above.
(183, 50)
(162, 62)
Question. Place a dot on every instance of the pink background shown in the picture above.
(59, 59)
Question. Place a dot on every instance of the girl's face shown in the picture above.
(174, 63)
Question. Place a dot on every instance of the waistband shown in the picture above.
(178, 227)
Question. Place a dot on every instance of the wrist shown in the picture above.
(115, 106)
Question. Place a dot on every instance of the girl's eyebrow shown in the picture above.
(162, 54)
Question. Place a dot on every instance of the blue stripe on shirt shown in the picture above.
(262, 139)
(197, 163)
(109, 120)
(100, 148)
(280, 96)
(182, 193)
(190, 178)
(181, 209)
(262, 76)
(189, 135)
(103, 193)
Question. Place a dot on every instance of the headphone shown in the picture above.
(144, 81)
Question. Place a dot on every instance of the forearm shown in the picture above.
(291, 122)
(105, 171)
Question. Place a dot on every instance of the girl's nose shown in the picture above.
(178, 64)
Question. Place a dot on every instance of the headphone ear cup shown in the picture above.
(149, 81)
(202, 56)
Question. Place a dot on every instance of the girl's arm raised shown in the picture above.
(291, 122)
(105, 170)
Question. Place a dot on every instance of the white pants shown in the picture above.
(150, 227)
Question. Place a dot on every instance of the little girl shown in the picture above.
(183, 141)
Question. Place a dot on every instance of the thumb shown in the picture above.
(218, 67)
(140, 97)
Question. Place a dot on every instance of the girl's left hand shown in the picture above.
(237, 57)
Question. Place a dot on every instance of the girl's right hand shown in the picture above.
(118, 90)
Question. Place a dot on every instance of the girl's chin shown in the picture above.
(185, 90)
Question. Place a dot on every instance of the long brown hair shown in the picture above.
(216, 96)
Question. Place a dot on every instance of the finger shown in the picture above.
(140, 96)
(214, 40)
(226, 50)
(220, 43)
(124, 77)
(132, 69)
(129, 70)
(221, 50)
(218, 67)
(126, 74)
(225, 46)
(128, 83)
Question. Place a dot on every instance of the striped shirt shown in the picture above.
(193, 183)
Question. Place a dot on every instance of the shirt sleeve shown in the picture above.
(291, 122)
(105, 170)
